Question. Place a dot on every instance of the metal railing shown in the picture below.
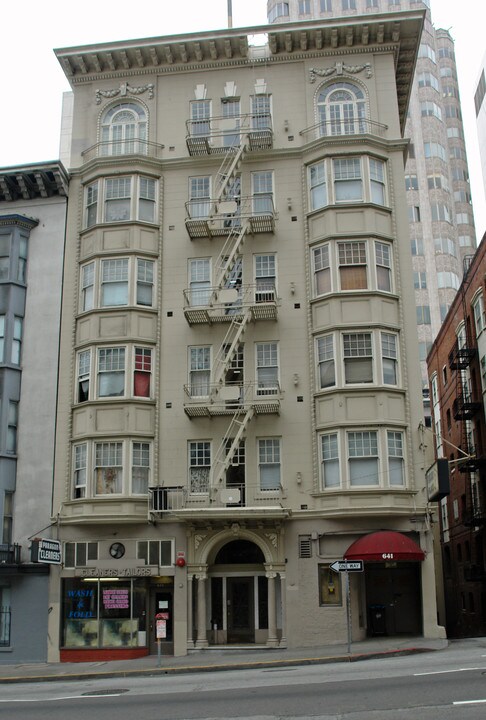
(339, 128)
(221, 133)
(234, 495)
(10, 554)
(122, 148)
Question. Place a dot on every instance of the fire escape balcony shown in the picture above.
(465, 407)
(473, 459)
(208, 218)
(226, 501)
(223, 305)
(218, 135)
(461, 357)
(231, 399)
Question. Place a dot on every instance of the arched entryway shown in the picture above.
(239, 594)
(236, 588)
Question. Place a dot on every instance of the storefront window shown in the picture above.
(102, 613)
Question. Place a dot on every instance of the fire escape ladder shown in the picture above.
(228, 347)
(224, 455)
(229, 167)
(229, 254)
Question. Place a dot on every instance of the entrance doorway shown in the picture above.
(240, 609)
(161, 604)
(393, 598)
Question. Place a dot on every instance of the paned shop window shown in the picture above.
(330, 591)
(156, 552)
(76, 554)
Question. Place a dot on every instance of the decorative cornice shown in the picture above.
(124, 90)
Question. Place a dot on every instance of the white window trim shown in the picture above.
(132, 282)
(134, 201)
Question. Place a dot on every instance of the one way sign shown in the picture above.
(347, 566)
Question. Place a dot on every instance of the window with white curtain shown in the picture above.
(348, 179)
(108, 468)
(117, 281)
(120, 199)
(199, 196)
(269, 463)
(199, 466)
(199, 281)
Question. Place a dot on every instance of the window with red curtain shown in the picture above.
(143, 370)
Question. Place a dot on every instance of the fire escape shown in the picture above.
(467, 403)
(235, 219)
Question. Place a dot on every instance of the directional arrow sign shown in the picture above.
(347, 566)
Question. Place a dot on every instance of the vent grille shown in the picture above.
(305, 547)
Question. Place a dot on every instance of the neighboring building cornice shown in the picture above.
(396, 32)
(29, 182)
(23, 221)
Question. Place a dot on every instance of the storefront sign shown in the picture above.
(46, 551)
(115, 598)
(99, 572)
(437, 480)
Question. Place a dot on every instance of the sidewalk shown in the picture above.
(213, 659)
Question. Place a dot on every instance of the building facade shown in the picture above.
(239, 395)
(436, 176)
(457, 371)
(480, 107)
(33, 203)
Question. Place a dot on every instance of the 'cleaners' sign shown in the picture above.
(46, 551)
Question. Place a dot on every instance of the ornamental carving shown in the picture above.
(124, 90)
(273, 538)
(198, 540)
(338, 69)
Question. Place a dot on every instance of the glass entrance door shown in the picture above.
(240, 609)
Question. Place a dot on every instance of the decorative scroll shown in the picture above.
(124, 90)
(338, 69)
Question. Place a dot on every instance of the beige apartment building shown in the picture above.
(240, 398)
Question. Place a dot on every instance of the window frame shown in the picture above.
(199, 450)
(269, 455)
(130, 191)
(267, 368)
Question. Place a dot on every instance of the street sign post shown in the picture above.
(347, 566)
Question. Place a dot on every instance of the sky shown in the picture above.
(32, 81)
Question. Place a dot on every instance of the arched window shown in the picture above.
(341, 109)
(124, 130)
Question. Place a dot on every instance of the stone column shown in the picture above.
(283, 639)
(272, 640)
(202, 640)
(190, 590)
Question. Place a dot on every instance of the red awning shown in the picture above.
(382, 546)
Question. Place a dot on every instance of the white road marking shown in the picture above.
(469, 702)
(444, 672)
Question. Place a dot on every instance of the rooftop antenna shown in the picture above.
(230, 14)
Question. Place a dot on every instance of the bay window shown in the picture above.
(17, 340)
(113, 365)
(111, 467)
(383, 266)
(120, 199)
(116, 282)
(347, 180)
